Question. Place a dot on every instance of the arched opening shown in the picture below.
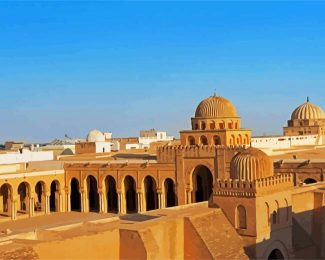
(23, 191)
(233, 140)
(267, 213)
(196, 127)
(216, 140)
(75, 195)
(276, 254)
(246, 139)
(5, 195)
(203, 140)
(191, 140)
(54, 197)
(241, 217)
(309, 181)
(151, 195)
(274, 217)
(203, 126)
(202, 183)
(93, 196)
(212, 125)
(170, 193)
(222, 125)
(240, 139)
(230, 125)
(277, 212)
(130, 195)
(39, 203)
(112, 198)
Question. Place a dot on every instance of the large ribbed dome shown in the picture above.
(215, 106)
(95, 136)
(251, 164)
(308, 111)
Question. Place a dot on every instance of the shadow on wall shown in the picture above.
(138, 217)
(291, 235)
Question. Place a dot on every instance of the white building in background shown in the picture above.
(285, 142)
(96, 142)
(25, 156)
(150, 136)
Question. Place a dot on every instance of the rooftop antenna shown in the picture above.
(307, 99)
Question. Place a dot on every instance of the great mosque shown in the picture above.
(275, 209)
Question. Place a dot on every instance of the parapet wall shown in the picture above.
(254, 188)
(167, 154)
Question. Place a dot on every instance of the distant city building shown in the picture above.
(96, 142)
(305, 128)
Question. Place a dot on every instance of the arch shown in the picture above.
(276, 245)
(246, 139)
(277, 212)
(203, 140)
(191, 140)
(75, 198)
(222, 125)
(267, 213)
(233, 140)
(202, 180)
(6, 194)
(92, 193)
(240, 139)
(54, 197)
(310, 181)
(216, 140)
(130, 194)
(230, 124)
(286, 210)
(111, 193)
(212, 125)
(236, 125)
(203, 125)
(24, 193)
(150, 191)
(241, 220)
(170, 194)
(275, 254)
(39, 202)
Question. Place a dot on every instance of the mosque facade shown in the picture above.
(213, 163)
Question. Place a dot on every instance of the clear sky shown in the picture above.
(68, 67)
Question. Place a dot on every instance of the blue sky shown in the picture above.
(68, 67)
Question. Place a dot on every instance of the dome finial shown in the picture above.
(307, 99)
(215, 93)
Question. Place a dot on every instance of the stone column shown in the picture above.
(188, 196)
(68, 201)
(82, 201)
(47, 203)
(121, 203)
(140, 201)
(31, 206)
(12, 208)
(101, 202)
(161, 200)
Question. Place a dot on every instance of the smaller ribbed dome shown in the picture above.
(95, 136)
(215, 106)
(251, 164)
(308, 111)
